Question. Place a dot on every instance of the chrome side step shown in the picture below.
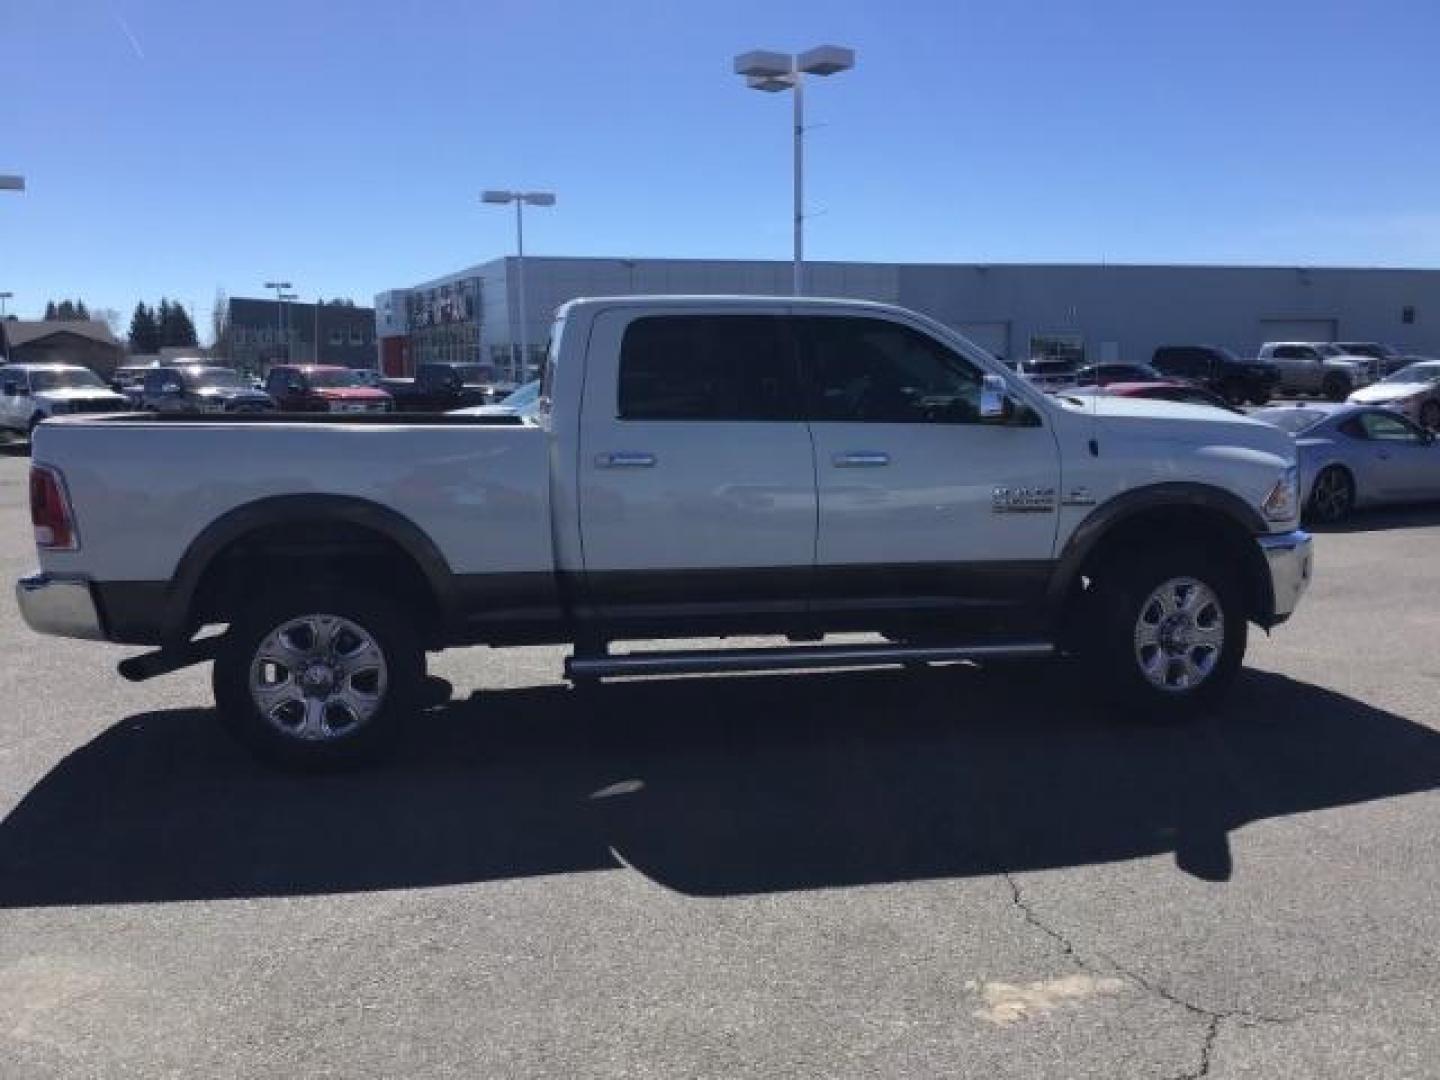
(793, 658)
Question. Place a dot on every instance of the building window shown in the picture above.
(1058, 346)
(337, 337)
(1407, 314)
(357, 336)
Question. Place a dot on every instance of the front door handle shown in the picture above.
(861, 459)
(625, 459)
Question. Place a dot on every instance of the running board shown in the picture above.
(793, 658)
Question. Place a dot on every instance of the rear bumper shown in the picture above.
(63, 606)
(1289, 558)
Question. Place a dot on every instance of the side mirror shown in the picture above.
(994, 398)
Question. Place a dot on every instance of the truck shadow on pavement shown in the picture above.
(712, 787)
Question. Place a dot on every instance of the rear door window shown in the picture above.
(707, 367)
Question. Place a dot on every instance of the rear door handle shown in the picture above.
(625, 459)
(861, 459)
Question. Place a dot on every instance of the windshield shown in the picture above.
(1295, 421)
(1330, 350)
(525, 395)
(471, 374)
(66, 379)
(1416, 373)
(215, 377)
(333, 378)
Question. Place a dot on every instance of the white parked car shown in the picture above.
(1413, 390)
(30, 393)
(524, 403)
(720, 466)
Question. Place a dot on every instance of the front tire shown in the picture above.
(1233, 391)
(1333, 496)
(319, 677)
(1171, 632)
(1336, 388)
(1430, 415)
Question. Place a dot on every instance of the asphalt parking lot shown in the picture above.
(954, 872)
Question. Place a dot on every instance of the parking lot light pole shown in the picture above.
(519, 198)
(288, 298)
(773, 72)
(279, 287)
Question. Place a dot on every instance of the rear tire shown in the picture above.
(320, 677)
(1169, 633)
(1336, 387)
(1260, 397)
(1233, 391)
(1430, 415)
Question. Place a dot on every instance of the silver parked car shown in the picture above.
(1413, 390)
(1358, 455)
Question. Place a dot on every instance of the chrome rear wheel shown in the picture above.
(318, 677)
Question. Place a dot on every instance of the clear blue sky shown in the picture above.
(177, 146)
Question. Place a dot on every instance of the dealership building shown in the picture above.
(1014, 310)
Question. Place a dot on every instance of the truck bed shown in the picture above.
(145, 486)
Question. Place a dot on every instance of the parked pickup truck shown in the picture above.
(442, 387)
(30, 393)
(699, 467)
(1317, 367)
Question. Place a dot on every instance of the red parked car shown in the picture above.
(1164, 391)
(323, 388)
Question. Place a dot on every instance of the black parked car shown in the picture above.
(192, 388)
(1220, 370)
(442, 387)
(1107, 372)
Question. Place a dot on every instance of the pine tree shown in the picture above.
(144, 331)
(66, 311)
(179, 330)
(50, 313)
(81, 312)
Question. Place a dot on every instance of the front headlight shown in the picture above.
(1283, 502)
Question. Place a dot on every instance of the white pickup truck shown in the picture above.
(699, 466)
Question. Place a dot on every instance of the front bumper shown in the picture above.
(63, 606)
(1289, 558)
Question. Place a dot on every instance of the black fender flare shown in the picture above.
(1187, 495)
(290, 509)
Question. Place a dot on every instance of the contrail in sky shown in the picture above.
(134, 41)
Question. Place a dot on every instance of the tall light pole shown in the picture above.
(279, 287)
(773, 72)
(520, 198)
(289, 332)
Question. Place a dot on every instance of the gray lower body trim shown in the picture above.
(795, 658)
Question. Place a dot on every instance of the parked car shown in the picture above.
(1358, 455)
(196, 389)
(1319, 368)
(524, 402)
(443, 387)
(1388, 360)
(1104, 374)
(323, 388)
(1047, 374)
(30, 393)
(369, 377)
(895, 478)
(1413, 391)
(1187, 393)
(129, 380)
(1219, 370)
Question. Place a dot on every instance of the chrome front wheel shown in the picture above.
(1179, 635)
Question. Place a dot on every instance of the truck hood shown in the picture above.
(1380, 393)
(1179, 422)
(81, 393)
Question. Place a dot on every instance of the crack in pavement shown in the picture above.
(1212, 1018)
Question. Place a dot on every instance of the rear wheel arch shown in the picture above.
(300, 539)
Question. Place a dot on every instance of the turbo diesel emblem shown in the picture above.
(1022, 500)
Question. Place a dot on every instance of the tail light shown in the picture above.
(50, 511)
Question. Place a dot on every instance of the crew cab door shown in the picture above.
(925, 509)
(696, 480)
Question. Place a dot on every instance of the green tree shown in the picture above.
(175, 325)
(80, 310)
(50, 313)
(66, 311)
(144, 330)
